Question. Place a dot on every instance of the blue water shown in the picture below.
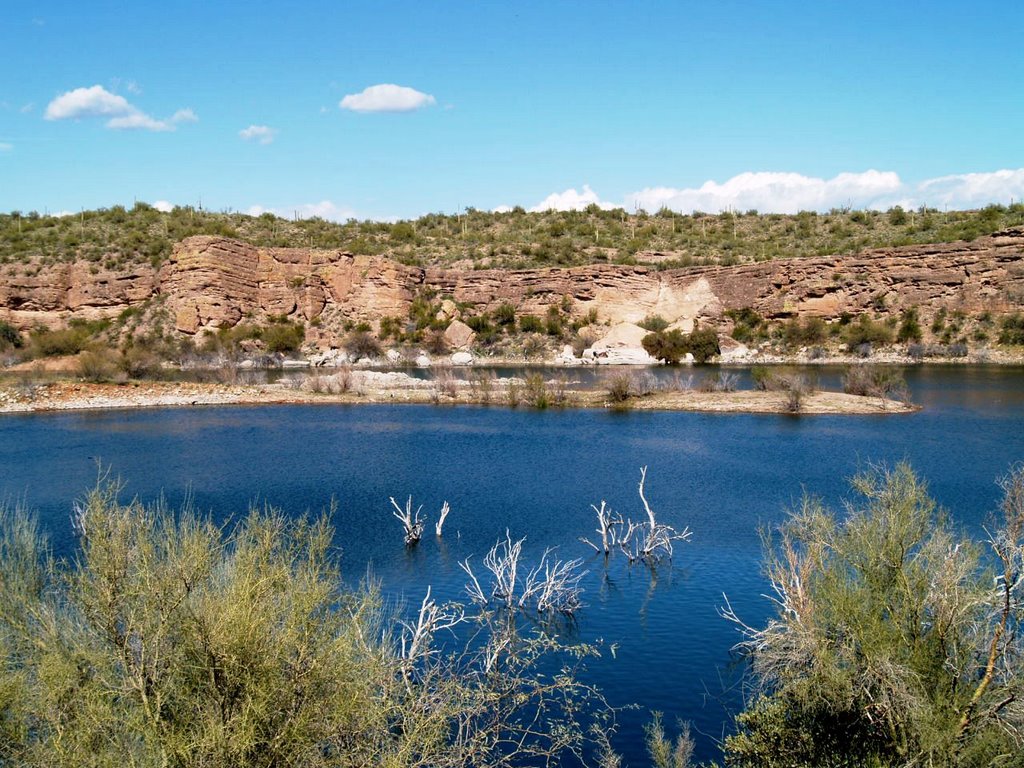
(536, 474)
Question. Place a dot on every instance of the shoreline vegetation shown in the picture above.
(620, 392)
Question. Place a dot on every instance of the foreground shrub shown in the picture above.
(168, 641)
(891, 645)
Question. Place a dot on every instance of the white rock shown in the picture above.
(394, 356)
(289, 363)
(462, 358)
(422, 360)
(330, 358)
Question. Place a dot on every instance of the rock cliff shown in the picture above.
(213, 282)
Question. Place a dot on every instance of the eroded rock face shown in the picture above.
(215, 282)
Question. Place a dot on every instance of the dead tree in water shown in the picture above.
(553, 586)
(608, 525)
(647, 542)
(410, 521)
(445, 509)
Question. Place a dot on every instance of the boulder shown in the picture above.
(462, 358)
(448, 311)
(329, 358)
(422, 360)
(458, 335)
(622, 345)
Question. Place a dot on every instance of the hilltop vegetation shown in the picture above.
(119, 236)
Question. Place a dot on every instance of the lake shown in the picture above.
(536, 474)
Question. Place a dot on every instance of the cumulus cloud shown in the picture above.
(776, 192)
(97, 101)
(502, 209)
(325, 209)
(163, 206)
(570, 200)
(973, 190)
(387, 97)
(261, 134)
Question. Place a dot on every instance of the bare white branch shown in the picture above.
(445, 509)
(410, 521)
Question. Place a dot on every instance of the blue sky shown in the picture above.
(772, 105)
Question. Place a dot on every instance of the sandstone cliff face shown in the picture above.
(215, 282)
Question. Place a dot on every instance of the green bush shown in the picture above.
(888, 644)
(1011, 329)
(802, 333)
(168, 641)
(505, 315)
(61, 341)
(672, 346)
(654, 323)
(531, 324)
(910, 327)
(283, 337)
(865, 330)
(10, 337)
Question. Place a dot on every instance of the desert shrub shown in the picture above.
(804, 332)
(360, 344)
(10, 337)
(553, 322)
(97, 364)
(283, 336)
(138, 361)
(391, 327)
(531, 324)
(481, 385)
(672, 346)
(513, 393)
(619, 386)
(505, 315)
(874, 381)
(535, 391)
(1011, 329)
(62, 341)
(748, 325)
(725, 381)
(167, 640)
(910, 327)
(654, 323)
(865, 330)
(887, 643)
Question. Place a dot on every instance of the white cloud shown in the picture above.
(97, 101)
(87, 102)
(502, 209)
(133, 88)
(163, 206)
(775, 193)
(325, 209)
(387, 97)
(973, 190)
(259, 133)
(570, 200)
